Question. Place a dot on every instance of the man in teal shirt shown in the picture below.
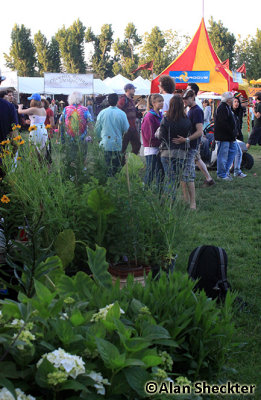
(110, 126)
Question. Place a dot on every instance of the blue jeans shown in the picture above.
(238, 160)
(225, 155)
(173, 168)
(154, 169)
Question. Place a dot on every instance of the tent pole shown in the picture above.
(203, 8)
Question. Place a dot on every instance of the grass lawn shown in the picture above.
(229, 215)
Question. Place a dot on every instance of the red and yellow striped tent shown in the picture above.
(199, 55)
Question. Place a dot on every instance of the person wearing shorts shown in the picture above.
(196, 117)
(255, 136)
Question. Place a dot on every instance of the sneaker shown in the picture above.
(227, 178)
(208, 183)
(240, 175)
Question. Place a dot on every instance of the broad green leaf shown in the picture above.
(66, 286)
(65, 246)
(107, 351)
(99, 266)
(43, 293)
(152, 361)
(77, 318)
(100, 202)
(11, 309)
(63, 330)
(137, 377)
(83, 284)
(154, 332)
(8, 384)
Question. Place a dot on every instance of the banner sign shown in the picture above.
(67, 83)
(190, 76)
(253, 91)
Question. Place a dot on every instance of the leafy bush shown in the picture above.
(86, 336)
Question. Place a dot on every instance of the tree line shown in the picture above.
(65, 52)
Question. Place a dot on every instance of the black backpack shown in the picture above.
(209, 265)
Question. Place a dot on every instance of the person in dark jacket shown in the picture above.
(173, 155)
(238, 112)
(225, 135)
(150, 124)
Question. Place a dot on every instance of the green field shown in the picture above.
(228, 215)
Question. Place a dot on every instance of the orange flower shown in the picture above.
(32, 128)
(48, 126)
(5, 199)
(7, 141)
(22, 142)
(19, 137)
(18, 126)
(14, 128)
(3, 142)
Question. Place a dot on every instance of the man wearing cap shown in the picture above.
(127, 105)
(225, 134)
(8, 115)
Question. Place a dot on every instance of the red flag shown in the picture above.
(242, 69)
(148, 66)
(224, 64)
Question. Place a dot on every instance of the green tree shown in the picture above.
(41, 46)
(71, 44)
(125, 51)
(222, 41)
(54, 56)
(22, 52)
(248, 51)
(154, 48)
(101, 60)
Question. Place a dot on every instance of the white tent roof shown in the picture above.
(142, 87)
(99, 87)
(117, 83)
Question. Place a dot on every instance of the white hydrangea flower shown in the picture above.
(17, 323)
(25, 336)
(6, 395)
(64, 316)
(100, 381)
(72, 365)
(102, 313)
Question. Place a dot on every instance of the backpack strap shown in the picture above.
(195, 259)
(222, 267)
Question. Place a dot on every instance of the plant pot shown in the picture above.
(124, 268)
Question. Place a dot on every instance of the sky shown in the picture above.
(182, 16)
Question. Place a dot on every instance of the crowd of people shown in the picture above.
(172, 129)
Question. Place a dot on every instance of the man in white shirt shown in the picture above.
(167, 87)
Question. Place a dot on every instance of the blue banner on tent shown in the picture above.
(190, 76)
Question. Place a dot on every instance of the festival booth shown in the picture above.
(199, 63)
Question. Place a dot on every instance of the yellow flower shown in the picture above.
(3, 143)
(5, 199)
(14, 128)
(22, 142)
(17, 137)
(32, 128)
(48, 126)
(18, 126)
(19, 158)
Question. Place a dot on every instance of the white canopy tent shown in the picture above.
(142, 87)
(99, 87)
(117, 83)
(30, 85)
